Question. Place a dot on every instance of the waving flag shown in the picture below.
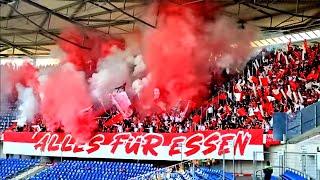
(123, 103)
(114, 120)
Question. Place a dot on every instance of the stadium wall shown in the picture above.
(303, 157)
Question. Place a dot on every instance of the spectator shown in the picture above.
(268, 170)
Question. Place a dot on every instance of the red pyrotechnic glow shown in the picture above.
(177, 53)
(26, 75)
(67, 103)
(92, 47)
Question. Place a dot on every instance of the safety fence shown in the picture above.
(304, 163)
(295, 124)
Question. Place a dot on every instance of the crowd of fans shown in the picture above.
(275, 81)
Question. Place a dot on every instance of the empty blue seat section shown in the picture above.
(85, 170)
(211, 174)
(293, 175)
(11, 167)
(8, 113)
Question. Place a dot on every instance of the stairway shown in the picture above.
(30, 172)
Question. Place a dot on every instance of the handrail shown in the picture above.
(292, 169)
(159, 170)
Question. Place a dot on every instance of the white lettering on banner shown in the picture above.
(146, 145)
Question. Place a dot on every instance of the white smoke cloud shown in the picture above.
(139, 66)
(42, 80)
(139, 84)
(28, 105)
(112, 72)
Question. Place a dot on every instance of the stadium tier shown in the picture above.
(274, 81)
(11, 167)
(85, 170)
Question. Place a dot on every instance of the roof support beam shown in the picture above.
(106, 12)
(17, 47)
(3, 49)
(39, 12)
(50, 11)
(75, 12)
(104, 23)
(293, 11)
(11, 11)
(46, 33)
(287, 12)
(124, 12)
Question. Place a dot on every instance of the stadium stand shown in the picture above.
(279, 80)
(11, 167)
(70, 169)
(6, 116)
(274, 81)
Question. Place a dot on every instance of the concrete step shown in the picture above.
(30, 172)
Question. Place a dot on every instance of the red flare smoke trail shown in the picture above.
(177, 52)
(176, 55)
(66, 98)
(26, 75)
(96, 47)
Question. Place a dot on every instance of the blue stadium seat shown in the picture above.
(292, 175)
(11, 167)
(86, 170)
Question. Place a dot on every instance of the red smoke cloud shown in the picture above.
(93, 48)
(26, 75)
(66, 103)
(66, 96)
(177, 52)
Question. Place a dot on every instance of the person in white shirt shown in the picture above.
(151, 129)
(135, 129)
(120, 128)
(209, 112)
(140, 124)
(180, 130)
(201, 127)
(251, 111)
(177, 118)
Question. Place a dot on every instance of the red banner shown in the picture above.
(237, 144)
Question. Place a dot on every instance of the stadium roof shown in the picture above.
(30, 27)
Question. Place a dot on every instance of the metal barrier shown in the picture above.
(186, 169)
(167, 172)
(305, 163)
(303, 121)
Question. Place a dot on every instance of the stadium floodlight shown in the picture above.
(264, 42)
(317, 32)
(270, 41)
(278, 40)
(291, 37)
(304, 35)
(307, 35)
(284, 39)
(298, 37)
(258, 43)
(312, 34)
